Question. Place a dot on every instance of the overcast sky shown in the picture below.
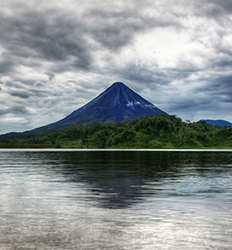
(57, 55)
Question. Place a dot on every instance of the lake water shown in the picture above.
(115, 200)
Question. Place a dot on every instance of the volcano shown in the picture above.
(118, 103)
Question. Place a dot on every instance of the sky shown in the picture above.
(55, 56)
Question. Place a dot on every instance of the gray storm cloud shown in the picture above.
(57, 55)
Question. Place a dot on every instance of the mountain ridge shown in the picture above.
(218, 123)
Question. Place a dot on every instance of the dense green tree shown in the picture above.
(148, 132)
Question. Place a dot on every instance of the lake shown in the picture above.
(116, 200)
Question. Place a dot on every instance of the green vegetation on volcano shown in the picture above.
(150, 132)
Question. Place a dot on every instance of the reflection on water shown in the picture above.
(115, 200)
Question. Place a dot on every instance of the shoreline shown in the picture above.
(108, 150)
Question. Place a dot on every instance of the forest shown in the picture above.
(150, 132)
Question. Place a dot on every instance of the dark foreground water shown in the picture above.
(115, 200)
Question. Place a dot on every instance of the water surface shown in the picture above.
(115, 200)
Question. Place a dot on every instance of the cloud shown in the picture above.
(44, 36)
(221, 7)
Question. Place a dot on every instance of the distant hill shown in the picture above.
(218, 123)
